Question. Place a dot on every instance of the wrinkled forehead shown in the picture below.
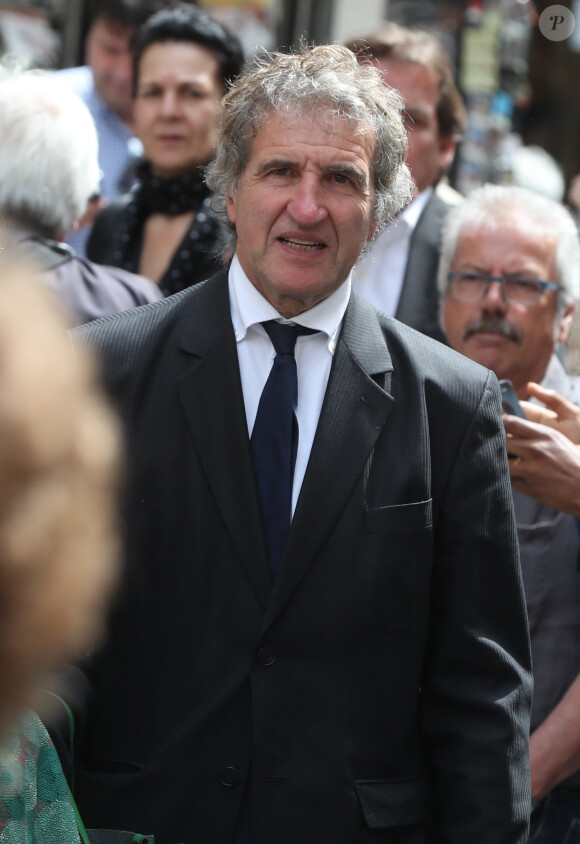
(328, 116)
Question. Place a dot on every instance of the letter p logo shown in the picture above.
(556, 23)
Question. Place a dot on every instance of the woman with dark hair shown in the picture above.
(164, 228)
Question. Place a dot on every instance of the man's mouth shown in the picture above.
(302, 245)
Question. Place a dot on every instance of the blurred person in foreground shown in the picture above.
(399, 273)
(104, 84)
(164, 228)
(510, 278)
(310, 645)
(48, 170)
(58, 541)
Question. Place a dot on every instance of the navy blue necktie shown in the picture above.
(275, 439)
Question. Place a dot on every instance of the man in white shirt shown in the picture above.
(399, 273)
(104, 84)
(342, 666)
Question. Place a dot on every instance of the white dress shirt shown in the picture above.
(313, 355)
(379, 275)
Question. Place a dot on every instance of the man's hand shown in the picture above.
(544, 463)
(559, 413)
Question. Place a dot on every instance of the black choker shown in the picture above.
(176, 195)
(196, 257)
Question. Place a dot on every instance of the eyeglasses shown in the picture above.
(473, 287)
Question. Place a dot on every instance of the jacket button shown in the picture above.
(229, 777)
(266, 656)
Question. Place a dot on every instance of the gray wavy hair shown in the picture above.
(327, 80)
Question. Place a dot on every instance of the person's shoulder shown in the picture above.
(131, 333)
(141, 288)
(128, 330)
(103, 290)
(433, 362)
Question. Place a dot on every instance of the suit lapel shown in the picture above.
(354, 412)
(211, 393)
(418, 304)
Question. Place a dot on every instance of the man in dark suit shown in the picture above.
(351, 664)
(399, 273)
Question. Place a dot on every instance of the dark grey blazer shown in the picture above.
(419, 302)
(379, 690)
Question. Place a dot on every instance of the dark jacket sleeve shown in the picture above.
(476, 690)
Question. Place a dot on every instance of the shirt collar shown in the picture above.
(410, 215)
(401, 228)
(249, 308)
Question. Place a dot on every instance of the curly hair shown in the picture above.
(325, 80)
(59, 449)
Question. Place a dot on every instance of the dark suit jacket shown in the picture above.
(419, 302)
(380, 689)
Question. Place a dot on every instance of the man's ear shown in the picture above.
(447, 146)
(565, 323)
(231, 208)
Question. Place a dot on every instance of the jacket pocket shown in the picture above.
(103, 765)
(387, 803)
(414, 516)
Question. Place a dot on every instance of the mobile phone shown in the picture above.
(510, 401)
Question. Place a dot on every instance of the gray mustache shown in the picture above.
(493, 325)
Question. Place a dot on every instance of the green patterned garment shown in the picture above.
(34, 800)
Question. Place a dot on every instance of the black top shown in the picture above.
(117, 239)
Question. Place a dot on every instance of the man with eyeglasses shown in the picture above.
(509, 278)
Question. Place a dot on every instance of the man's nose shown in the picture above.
(307, 206)
(494, 298)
